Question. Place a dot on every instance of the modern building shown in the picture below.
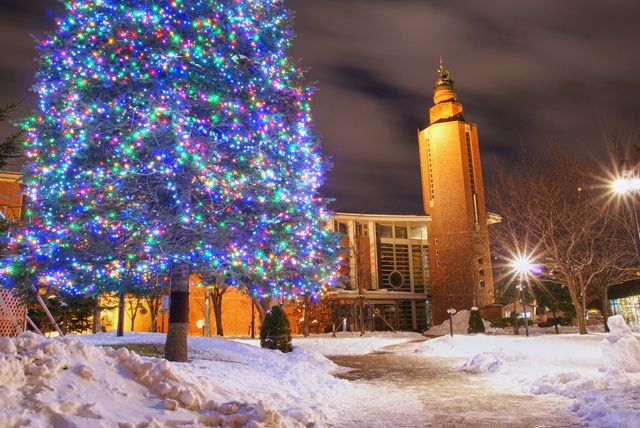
(453, 196)
(10, 195)
(624, 299)
(386, 274)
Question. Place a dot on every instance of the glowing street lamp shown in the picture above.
(628, 186)
(523, 266)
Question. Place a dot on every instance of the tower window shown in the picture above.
(482, 284)
(432, 194)
(480, 260)
(481, 272)
(472, 179)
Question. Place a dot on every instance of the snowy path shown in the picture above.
(436, 393)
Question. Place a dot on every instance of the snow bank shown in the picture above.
(621, 348)
(460, 325)
(347, 343)
(299, 386)
(64, 382)
(600, 372)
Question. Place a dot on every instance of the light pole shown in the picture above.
(520, 288)
(627, 185)
(451, 311)
(522, 267)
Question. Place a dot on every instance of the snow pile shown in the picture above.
(347, 343)
(64, 382)
(601, 373)
(298, 385)
(621, 348)
(460, 325)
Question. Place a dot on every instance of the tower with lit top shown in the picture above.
(453, 195)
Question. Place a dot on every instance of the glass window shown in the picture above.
(401, 232)
(419, 232)
(362, 229)
(385, 231)
(343, 228)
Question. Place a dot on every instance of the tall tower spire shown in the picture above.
(453, 194)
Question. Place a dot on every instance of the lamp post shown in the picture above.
(520, 288)
(523, 266)
(451, 311)
(627, 185)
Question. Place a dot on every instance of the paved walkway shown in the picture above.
(443, 396)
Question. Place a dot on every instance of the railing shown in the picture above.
(10, 212)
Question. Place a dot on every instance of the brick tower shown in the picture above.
(453, 194)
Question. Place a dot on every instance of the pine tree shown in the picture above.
(10, 146)
(275, 331)
(173, 137)
(476, 325)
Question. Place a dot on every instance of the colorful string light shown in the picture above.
(168, 132)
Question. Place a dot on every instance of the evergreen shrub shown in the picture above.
(476, 325)
(275, 332)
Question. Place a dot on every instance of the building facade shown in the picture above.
(10, 195)
(386, 283)
(453, 196)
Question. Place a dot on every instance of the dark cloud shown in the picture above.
(525, 71)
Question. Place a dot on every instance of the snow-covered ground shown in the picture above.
(601, 372)
(70, 382)
(347, 343)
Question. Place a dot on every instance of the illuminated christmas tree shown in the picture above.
(173, 137)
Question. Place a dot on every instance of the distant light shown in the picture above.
(522, 265)
(623, 185)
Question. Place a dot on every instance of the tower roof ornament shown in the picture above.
(443, 75)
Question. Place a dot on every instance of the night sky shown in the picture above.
(526, 71)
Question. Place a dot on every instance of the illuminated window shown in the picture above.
(432, 194)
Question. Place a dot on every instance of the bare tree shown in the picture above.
(154, 302)
(134, 305)
(554, 208)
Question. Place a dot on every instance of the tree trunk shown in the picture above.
(175, 348)
(605, 307)
(153, 301)
(264, 305)
(362, 326)
(577, 303)
(217, 309)
(120, 331)
(95, 327)
(555, 321)
(207, 311)
(307, 305)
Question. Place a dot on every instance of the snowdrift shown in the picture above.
(600, 372)
(64, 382)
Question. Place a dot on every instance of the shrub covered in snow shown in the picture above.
(275, 331)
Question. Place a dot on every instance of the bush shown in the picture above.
(508, 322)
(565, 321)
(502, 323)
(475, 322)
(275, 332)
